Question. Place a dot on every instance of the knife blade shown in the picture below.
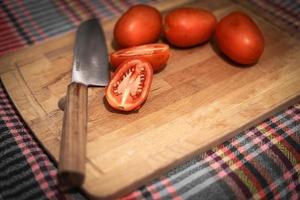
(90, 68)
(90, 63)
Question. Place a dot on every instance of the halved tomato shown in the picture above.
(156, 54)
(130, 85)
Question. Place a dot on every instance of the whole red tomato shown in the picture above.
(141, 24)
(130, 85)
(156, 54)
(186, 27)
(239, 38)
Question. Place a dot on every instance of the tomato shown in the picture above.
(130, 85)
(156, 54)
(239, 38)
(186, 27)
(141, 24)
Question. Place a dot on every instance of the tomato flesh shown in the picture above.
(156, 54)
(130, 85)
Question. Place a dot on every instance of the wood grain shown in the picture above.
(198, 101)
(71, 168)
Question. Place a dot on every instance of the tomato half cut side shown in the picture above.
(157, 54)
(130, 85)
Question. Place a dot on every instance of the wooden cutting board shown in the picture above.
(200, 100)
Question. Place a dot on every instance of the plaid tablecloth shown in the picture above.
(260, 163)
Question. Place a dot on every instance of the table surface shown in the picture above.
(261, 162)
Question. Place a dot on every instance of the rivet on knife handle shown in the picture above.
(71, 169)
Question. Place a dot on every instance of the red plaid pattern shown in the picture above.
(25, 23)
(42, 168)
(238, 164)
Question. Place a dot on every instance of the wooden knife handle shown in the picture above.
(73, 143)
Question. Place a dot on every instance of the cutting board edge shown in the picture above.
(144, 180)
(9, 60)
(150, 176)
(26, 123)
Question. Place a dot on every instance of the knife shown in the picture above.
(90, 68)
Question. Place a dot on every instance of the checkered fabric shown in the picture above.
(282, 13)
(261, 163)
(27, 22)
(288, 11)
(26, 172)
